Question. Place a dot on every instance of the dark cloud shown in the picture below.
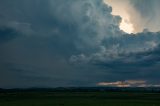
(7, 34)
(70, 43)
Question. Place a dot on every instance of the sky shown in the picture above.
(74, 43)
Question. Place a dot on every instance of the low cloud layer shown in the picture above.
(127, 83)
(71, 43)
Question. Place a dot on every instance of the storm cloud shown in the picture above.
(71, 43)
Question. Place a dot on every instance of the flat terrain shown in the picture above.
(79, 99)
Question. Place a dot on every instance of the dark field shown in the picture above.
(79, 99)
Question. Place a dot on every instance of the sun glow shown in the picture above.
(126, 26)
(118, 8)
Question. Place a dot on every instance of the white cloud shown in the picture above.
(140, 13)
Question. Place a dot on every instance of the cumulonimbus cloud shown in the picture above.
(41, 45)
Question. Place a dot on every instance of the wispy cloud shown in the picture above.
(128, 83)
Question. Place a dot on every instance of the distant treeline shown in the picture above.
(86, 89)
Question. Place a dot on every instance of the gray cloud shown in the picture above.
(148, 14)
(70, 43)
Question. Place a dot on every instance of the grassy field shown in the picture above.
(79, 99)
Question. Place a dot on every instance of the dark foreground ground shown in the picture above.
(79, 99)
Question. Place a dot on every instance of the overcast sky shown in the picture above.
(61, 43)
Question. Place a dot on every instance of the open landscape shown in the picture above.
(78, 98)
(79, 52)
